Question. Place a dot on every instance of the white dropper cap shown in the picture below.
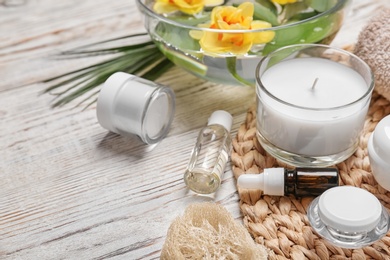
(271, 181)
(221, 117)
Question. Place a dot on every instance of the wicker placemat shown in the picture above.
(280, 223)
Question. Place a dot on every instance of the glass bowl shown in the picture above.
(224, 43)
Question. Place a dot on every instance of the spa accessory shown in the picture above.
(349, 217)
(379, 152)
(305, 126)
(208, 231)
(225, 46)
(210, 154)
(373, 47)
(299, 182)
(130, 105)
(295, 238)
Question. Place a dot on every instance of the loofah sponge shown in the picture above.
(208, 231)
(373, 47)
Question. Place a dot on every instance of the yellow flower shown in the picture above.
(284, 2)
(185, 6)
(232, 18)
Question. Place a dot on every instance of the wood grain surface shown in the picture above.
(68, 188)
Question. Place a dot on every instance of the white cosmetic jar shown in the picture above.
(129, 105)
(348, 217)
(379, 152)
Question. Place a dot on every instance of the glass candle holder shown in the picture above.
(312, 101)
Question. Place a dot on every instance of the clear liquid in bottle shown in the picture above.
(210, 155)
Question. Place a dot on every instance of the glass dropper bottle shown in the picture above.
(299, 182)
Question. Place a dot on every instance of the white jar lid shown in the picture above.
(381, 139)
(349, 209)
(378, 148)
(130, 105)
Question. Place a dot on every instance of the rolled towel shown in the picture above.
(373, 46)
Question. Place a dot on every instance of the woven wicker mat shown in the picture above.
(280, 223)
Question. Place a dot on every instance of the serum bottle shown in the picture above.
(210, 154)
(299, 182)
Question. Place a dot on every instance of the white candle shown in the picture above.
(292, 81)
(305, 120)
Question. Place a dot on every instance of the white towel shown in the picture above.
(373, 47)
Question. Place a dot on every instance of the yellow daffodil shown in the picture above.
(186, 6)
(232, 18)
(284, 2)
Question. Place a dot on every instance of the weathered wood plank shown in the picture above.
(71, 190)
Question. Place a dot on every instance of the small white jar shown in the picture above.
(349, 217)
(129, 105)
(379, 152)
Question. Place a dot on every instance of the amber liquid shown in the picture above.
(303, 182)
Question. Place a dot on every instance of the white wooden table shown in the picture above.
(68, 188)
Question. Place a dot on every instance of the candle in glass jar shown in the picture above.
(314, 83)
(312, 106)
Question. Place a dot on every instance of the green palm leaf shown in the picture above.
(141, 59)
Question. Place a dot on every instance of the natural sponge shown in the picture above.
(373, 47)
(208, 231)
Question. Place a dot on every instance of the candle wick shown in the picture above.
(314, 83)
